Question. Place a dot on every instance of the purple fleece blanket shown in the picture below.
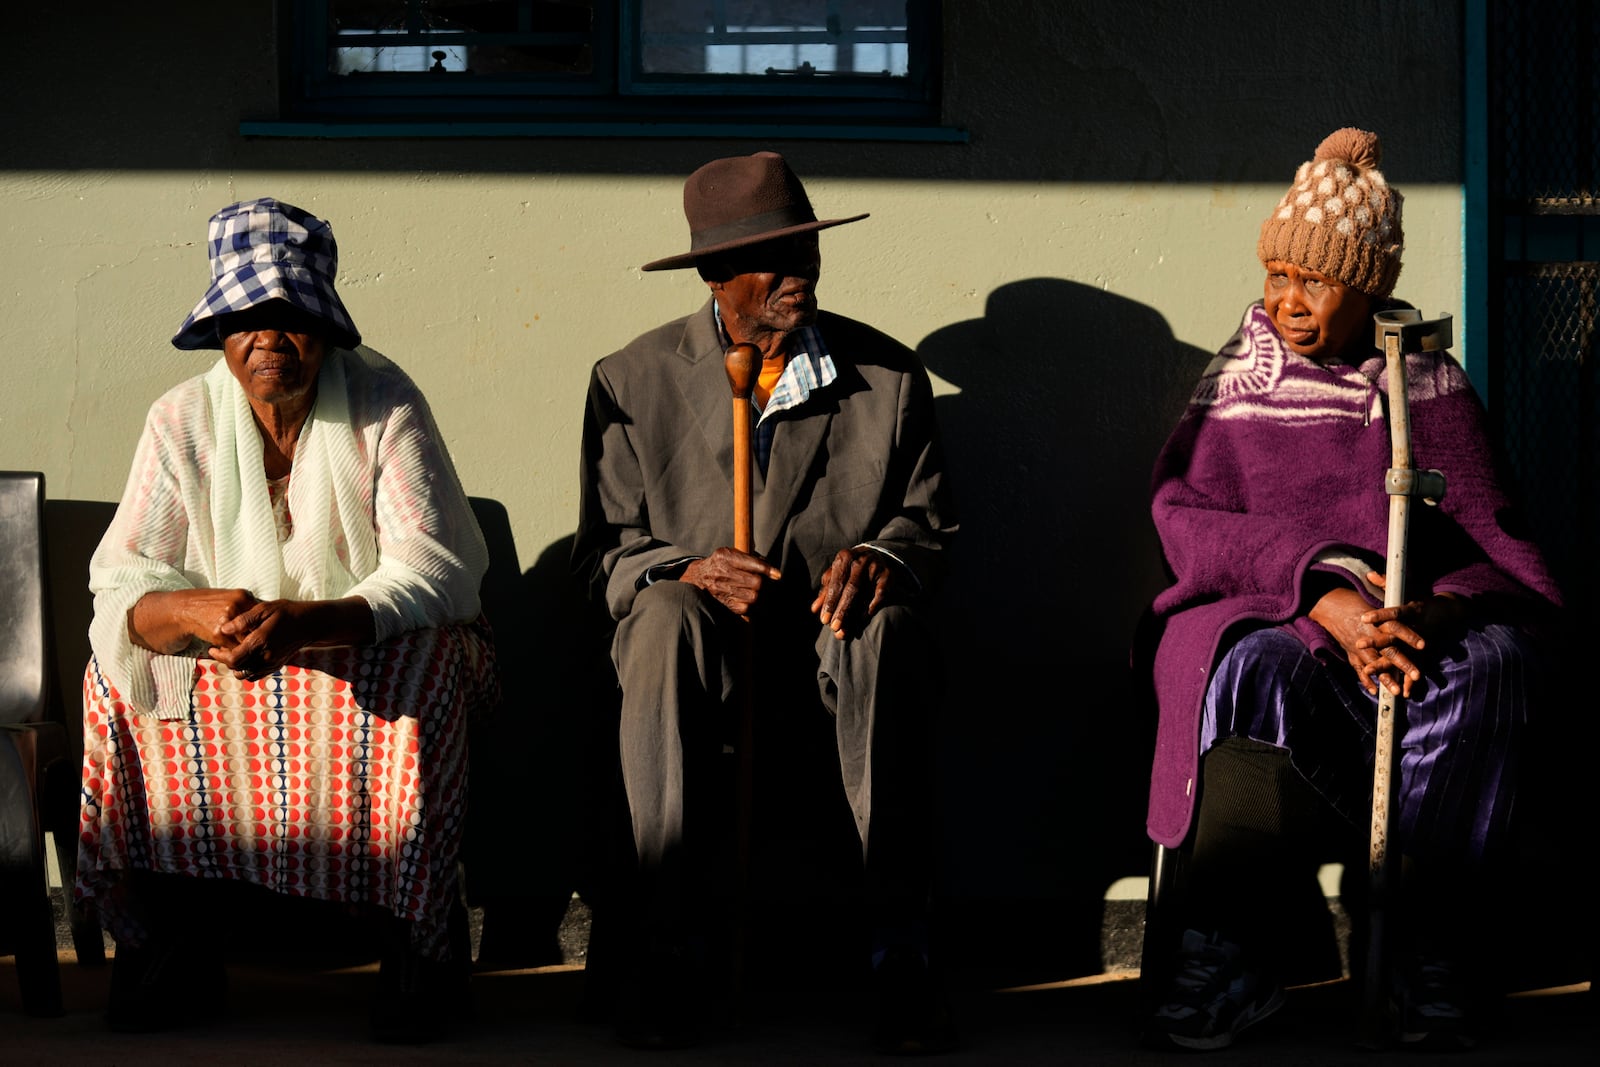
(1279, 461)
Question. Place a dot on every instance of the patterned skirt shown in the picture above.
(341, 777)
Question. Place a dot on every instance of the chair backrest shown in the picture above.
(501, 591)
(73, 529)
(24, 600)
(500, 580)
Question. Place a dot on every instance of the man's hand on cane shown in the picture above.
(735, 579)
(842, 602)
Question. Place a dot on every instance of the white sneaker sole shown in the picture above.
(1247, 1018)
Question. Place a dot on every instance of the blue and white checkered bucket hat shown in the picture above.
(266, 250)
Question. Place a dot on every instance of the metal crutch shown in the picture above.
(1398, 332)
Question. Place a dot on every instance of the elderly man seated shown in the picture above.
(852, 520)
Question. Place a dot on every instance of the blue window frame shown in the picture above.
(831, 68)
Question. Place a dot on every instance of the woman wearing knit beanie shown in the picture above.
(1270, 504)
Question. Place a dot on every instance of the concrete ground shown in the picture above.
(314, 1013)
(292, 1016)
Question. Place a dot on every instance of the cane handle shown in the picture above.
(742, 362)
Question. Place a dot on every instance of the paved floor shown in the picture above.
(288, 1007)
(295, 1015)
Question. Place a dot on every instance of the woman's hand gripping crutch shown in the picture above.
(1398, 332)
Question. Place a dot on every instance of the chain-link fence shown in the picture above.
(1544, 275)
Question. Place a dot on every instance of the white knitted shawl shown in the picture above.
(376, 508)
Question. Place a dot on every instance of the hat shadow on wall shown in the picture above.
(1066, 395)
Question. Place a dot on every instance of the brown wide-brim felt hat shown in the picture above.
(743, 200)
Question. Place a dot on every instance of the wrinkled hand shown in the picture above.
(735, 579)
(1441, 615)
(842, 602)
(210, 611)
(1379, 642)
(1371, 652)
(260, 640)
(169, 621)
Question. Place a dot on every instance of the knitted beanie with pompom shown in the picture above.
(1340, 217)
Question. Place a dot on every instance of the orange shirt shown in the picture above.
(771, 371)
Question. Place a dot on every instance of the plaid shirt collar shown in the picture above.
(810, 367)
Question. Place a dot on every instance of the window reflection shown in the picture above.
(460, 36)
(774, 37)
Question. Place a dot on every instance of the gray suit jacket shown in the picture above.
(859, 462)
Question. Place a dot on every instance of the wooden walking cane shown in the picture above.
(1398, 332)
(742, 362)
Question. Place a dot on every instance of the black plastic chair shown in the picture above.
(1307, 927)
(534, 775)
(33, 747)
(73, 529)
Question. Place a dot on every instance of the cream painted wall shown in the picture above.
(1065, 271)
(497, 292)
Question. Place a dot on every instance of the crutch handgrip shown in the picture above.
(1408, 481)
(1415, 333)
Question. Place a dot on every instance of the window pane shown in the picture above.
(777, 38)
(651, 66)
(460, 36)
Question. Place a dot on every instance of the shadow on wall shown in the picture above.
(544, 815)
(1066, 395)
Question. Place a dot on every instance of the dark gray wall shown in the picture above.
(1077, 90)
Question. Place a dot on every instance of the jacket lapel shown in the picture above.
(703, 383)
(794, 450)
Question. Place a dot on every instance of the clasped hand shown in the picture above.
(855, 585)
(250, 636)
(262, 638)
(1379, 642)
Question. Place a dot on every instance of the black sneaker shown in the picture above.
(913, 1016)
(663, 1001)
(1430, 1006)
(1214, 996)
(419, 999)
(161, 986)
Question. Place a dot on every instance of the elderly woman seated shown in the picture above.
(1269, 501)
(287, 645)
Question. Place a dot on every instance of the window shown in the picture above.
(850, 68)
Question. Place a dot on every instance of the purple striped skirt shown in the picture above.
(1464, 729)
